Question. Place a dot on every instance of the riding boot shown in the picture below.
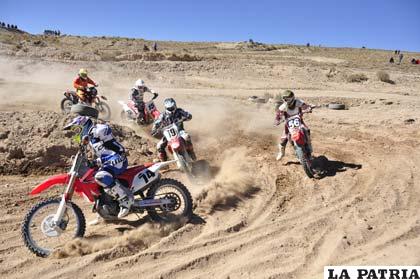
(125, 198)
(163, 156)
(190, 149)
(282, 151)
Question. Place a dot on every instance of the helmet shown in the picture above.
(83, 73)
(289, 97)
(139, 83)
(84, 123)
(170, 105)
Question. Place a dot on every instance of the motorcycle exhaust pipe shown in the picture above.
(152, 203)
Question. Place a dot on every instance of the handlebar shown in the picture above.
(166, 127)
(309, 110)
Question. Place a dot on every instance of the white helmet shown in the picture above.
(170, 105)
(140, 83)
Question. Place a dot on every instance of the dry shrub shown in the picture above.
(357, 77)
(110, 55)
(183, 57)
(384, 77)
(332, 72)
(153, 56)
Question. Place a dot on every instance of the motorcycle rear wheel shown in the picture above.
(30, 229)
(176, 191)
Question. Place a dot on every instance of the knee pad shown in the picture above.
(283, 141)
(185, 135)
(161, 146)
(104, 178)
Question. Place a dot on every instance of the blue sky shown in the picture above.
(382, 24)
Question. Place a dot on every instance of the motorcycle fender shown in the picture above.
(176, 145)
(144, 179)
(155, 114)
(299, 138)
(60, 179)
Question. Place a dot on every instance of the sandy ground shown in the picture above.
(259, 218)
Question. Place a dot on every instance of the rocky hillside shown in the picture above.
(34, 143)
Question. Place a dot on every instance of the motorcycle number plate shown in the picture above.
(293, 123)
(171, 133)
(143, 178)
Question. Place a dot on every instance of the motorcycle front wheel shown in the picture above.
(180, 207)
(66, 105)
(40, 233)
(304, 161)
(104, 110)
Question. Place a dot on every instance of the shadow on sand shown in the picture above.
(325, 167)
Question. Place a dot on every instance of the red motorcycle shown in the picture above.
(131, 113)
(300, 137)
(53, 222)
(177, 147)
(92, 99)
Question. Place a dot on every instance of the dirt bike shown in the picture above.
(178, 147)
(53, 222)
(131, 113)
(92, 99)
(300, 137)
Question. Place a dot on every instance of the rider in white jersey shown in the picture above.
(111, 160)
(291, 106)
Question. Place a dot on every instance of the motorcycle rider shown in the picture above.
(169, 116)
(137, 96)
(111, 160)
(81, 84)
(291, 106)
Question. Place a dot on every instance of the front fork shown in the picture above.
(67, 196)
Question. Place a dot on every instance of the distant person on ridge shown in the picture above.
(81, 84)
(137, 96)
(291, 106)
(400, 57)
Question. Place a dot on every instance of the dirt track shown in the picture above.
(258, 218)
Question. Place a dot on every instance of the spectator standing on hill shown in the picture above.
(154, 46)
